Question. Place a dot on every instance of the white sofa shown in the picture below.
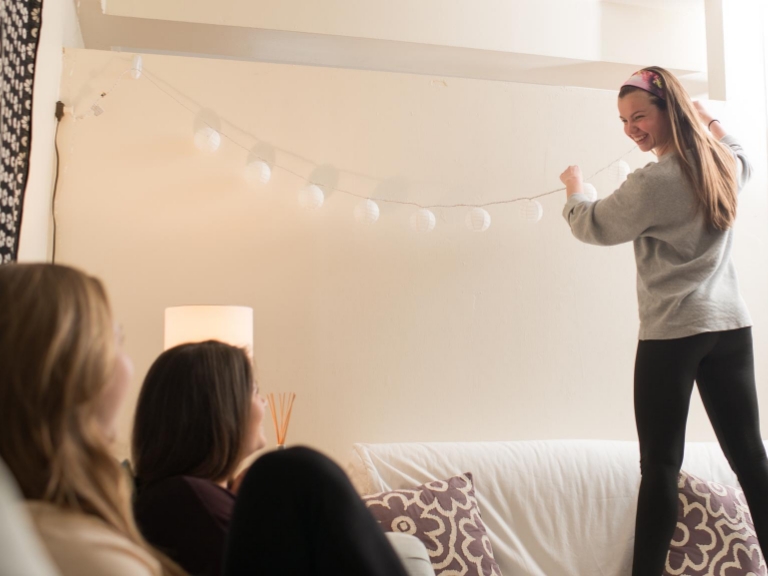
(21, 552)
(563, 507)
(412, 553)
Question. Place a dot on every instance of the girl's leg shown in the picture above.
(297, 514)
(664, 375)
(726, 380)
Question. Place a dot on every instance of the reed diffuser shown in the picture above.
(281, 425)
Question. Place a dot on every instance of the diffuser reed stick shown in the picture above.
(285, 403)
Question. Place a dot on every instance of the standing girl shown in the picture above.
(694, 324)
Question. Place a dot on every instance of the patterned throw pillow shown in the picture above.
(445, 516)
(715, 534)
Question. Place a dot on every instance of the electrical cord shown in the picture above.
(59, 115)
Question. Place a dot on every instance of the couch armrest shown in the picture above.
(412, 553)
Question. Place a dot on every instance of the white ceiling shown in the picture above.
(168, 31)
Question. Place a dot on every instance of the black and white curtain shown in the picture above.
(20, 22)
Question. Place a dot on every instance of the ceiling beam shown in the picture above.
(103, 31)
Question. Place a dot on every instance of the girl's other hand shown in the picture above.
(704, 116)
(571, 173)
(572, 179)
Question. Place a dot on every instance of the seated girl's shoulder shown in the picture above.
(184, 488)
(182, 500)
(82, 544)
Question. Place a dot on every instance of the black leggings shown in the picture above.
(297, 514)
(722, 364)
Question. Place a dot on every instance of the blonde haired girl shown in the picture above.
(63, 375)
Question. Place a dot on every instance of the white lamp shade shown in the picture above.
(137, 67)
(207, 139)
(423, 220)
(532, 211)
(590, 191)
(311, 197)
(366, 212)
(258, 172)
(477, 220)
(620, 172)
(230, 324)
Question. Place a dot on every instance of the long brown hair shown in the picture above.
(713, 172)
(193, 413)
(57, 355)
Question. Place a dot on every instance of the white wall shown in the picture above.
(59, 29)
(385, 335)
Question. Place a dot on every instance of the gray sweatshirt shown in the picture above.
(686, 279)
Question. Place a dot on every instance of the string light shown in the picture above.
(137, 66)
(258, 172)
(366, 212)
(590, 191)
(532, 211)
(313, 198)
(423, 220)
(477, 220)
(207, 139)
(620, 172)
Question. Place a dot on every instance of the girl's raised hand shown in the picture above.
(704, 116)
(571, 173)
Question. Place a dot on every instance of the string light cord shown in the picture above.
(91, 109)
(146, 74)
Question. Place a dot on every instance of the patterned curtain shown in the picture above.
(20, 22)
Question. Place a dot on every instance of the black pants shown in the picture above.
(722, 364)
(298, 514)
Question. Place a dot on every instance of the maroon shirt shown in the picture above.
(188, 519)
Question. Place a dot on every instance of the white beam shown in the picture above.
(715, 49)
(591, 30)
(105, 32)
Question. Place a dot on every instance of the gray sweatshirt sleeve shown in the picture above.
(745, 172)
(619, 218)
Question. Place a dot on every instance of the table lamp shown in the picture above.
(230, 324)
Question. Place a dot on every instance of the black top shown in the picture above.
(188, 519)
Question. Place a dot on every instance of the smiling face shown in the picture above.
(644, 123)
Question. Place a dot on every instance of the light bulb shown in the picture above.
(477, 220)
(366, 212)
(590, 191)
(137, 67)
(311, 197)
(423, 220)
(532, 211)
(620, 171)
(258, 172)
(207, 139)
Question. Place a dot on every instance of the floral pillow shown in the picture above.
(445, 516)
(714, 534)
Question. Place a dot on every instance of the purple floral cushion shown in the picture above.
(715, 534)
(444, 515)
